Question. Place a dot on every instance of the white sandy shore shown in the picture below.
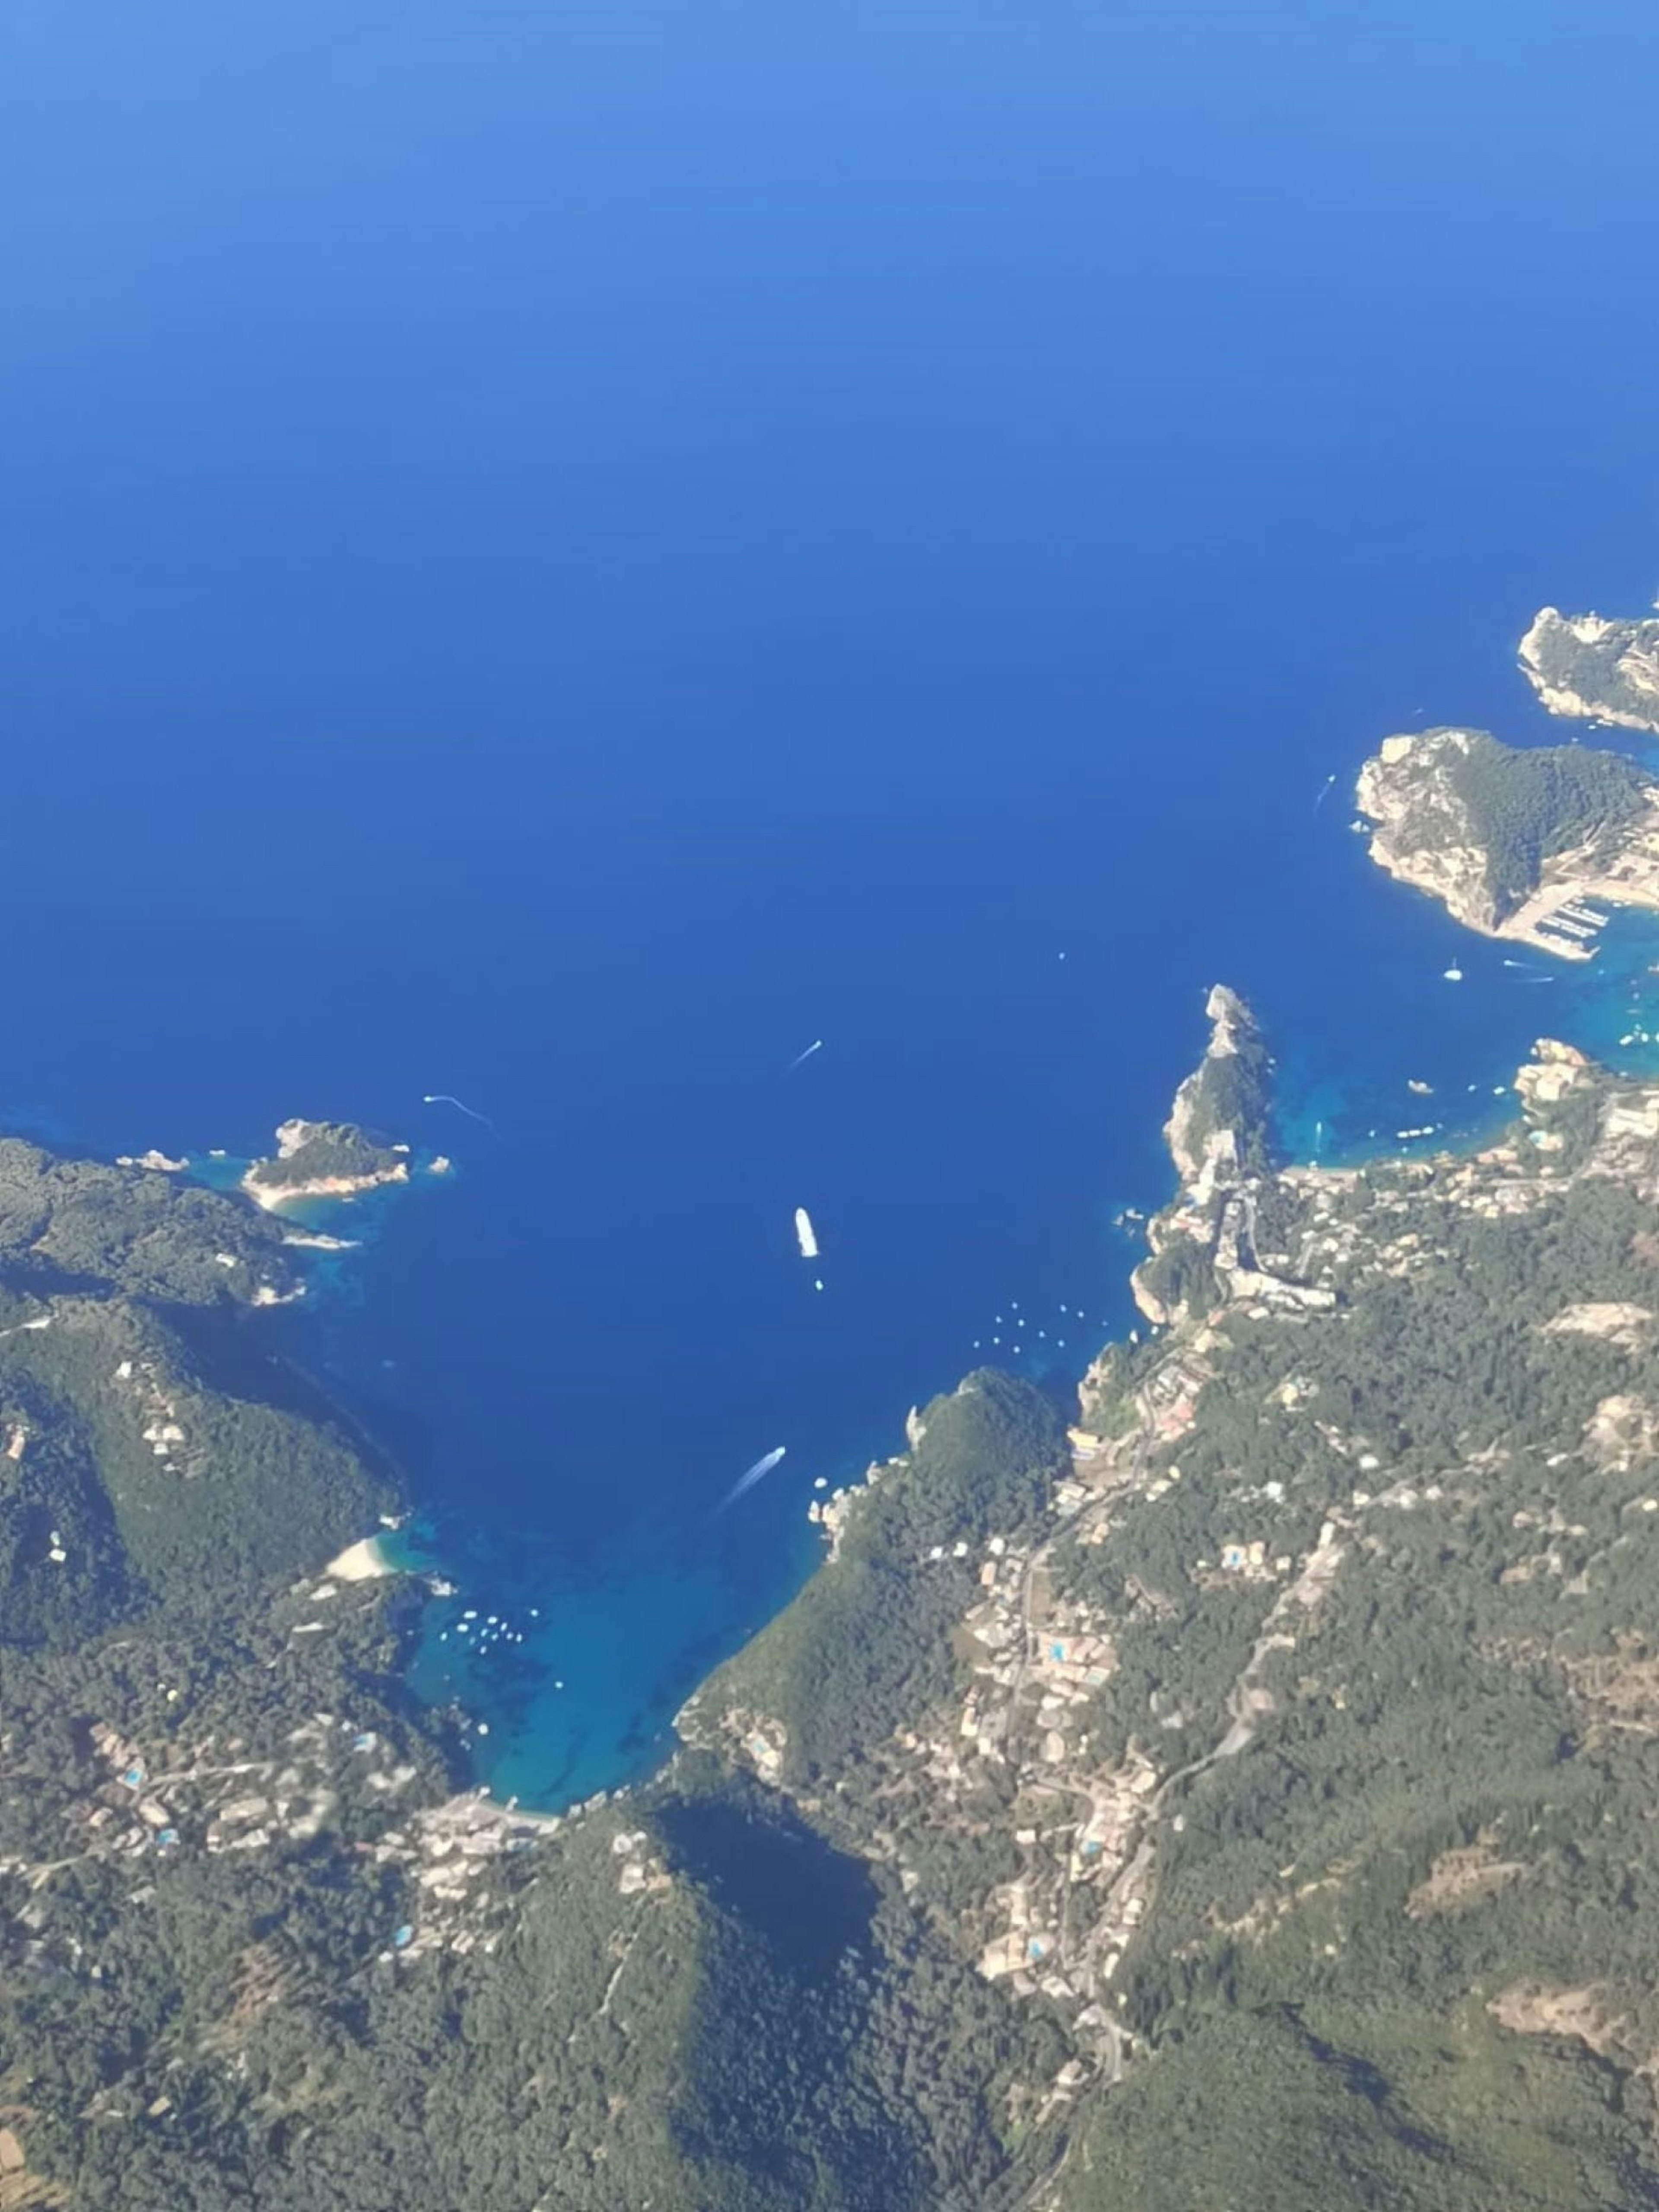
(361, 1562)
(270, 1196)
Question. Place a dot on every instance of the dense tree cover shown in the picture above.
(1324, 2036)
(79, 1223)
(866, 1645)
(1178, 1279)
(322, 1151)
(52, 1501)
(1231, 1088)
(772, 2029)
(188, 2023)
(841, 2054)
(1601, 671)
(144, 1448)
(302, 2073)
(1399, 1947)
(1268, 2106)
(1527, 803)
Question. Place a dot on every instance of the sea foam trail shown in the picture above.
(448, 1098)
(762, 1468)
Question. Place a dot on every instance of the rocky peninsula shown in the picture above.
(1588, 666)
(141, 1230)
(1515, 842)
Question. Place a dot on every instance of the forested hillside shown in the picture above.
(1235, 1787)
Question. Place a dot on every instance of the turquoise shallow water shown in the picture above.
(560, 557)
(1609, 1007)
(568, 1681)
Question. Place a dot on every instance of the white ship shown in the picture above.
(804, 1233)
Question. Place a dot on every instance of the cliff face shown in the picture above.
(1218, 1241)
(1218, 1126)
(323, 1159)
(1422, 826)
(1585, 665)
(1505, 837)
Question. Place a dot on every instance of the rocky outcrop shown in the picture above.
(1588, 666)
(1510, 840)
(323, 1159)
(1217, 1125)
(1204, 1248)
(1422, 829)
(1554, 1071)
(141, 1232)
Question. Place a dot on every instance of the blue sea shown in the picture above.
(560, 554)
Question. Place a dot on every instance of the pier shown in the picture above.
(1562, 923)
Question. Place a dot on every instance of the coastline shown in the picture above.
(717, 1623)
(1523, 927)
(1637, 666)
(271, 1197)
(1441, 808)
(552, 1715)
(1568, 888)
(364, 1561)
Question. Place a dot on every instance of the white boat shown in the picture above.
(804, 1233)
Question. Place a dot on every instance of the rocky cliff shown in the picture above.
(1505, 837)
(1218, 1126)
(1586, 665)
(1219, 1240)
(323, 1159)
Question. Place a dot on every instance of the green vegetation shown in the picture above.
(202, 1999)
(1446, 1823)
(866, 1644)
(147, 1473)
(1231, 1088)
(1179, 1279)
(1365, 1714)
(1611, 671)
(69, 1223)
(1526, 803)
(296, 2070)
(327, 1152)
(842, 2055)
(1267, 2106)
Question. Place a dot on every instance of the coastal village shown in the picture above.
(1081, 1818)
(159, 1800)
(1087, 1835)
(158, 1784)
(1032, 1659)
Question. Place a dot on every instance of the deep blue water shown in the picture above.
(559, 553)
